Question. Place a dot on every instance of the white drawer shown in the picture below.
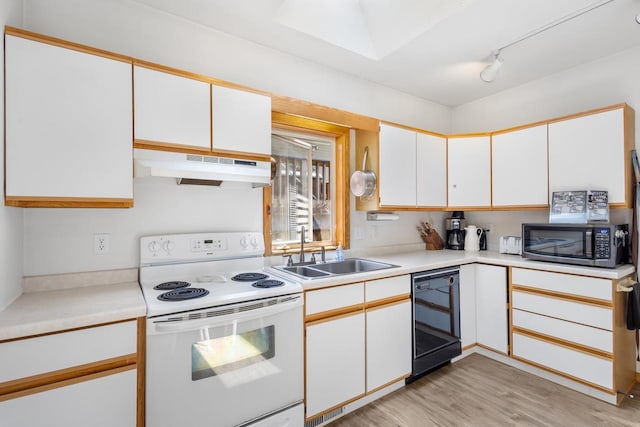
(574, 363)
(586, 314)
(386, 288)
(590, 287)
(567, 331)
(333, 298)
(32, 356)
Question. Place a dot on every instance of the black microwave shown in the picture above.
(596, 245)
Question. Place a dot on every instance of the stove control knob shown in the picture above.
(254, 242)
(154, 247)
(243, 242)
(168, 245)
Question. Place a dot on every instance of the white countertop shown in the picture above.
(412, 262)
(60, 302)
(51, 305)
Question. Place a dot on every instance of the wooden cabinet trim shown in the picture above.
(563, 343)
(64, 377)
(387, 302)
(333, 408)
(520, 127)
(377, 389)
(414, 129)
(66, 202)
(169, 146)
(18, 32)
(335, 314)
(588, 113)
(141, 355)
(170, 70)
(285, 104)
(70, 330)
(565, 375)
(566, 297)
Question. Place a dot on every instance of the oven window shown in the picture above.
(217, 356)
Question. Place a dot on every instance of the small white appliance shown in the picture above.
(224, 337)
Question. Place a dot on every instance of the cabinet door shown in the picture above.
(335, 362)
(388, 344)
(241, 121)
(431, 170)
(519, 168)
(397, 166)
(171, 109)
(469, 171)
(491, 307)
(467, 305)
(588, 152)
(68, 125)
(103, 402)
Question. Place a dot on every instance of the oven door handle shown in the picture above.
(226, 319)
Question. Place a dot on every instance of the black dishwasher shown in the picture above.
(435, 296)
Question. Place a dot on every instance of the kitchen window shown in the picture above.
(307, 188)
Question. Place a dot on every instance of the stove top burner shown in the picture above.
(249, 277)
(183, 294)
(167, 286)
(271, 283)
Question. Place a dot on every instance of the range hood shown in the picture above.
(199, 169)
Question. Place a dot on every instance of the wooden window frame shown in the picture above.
(341, 135)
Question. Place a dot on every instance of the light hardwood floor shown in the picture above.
(478, 391)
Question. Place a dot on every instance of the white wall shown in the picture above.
(611, 80)
(11, 219)
(61, 240)
(601, 83)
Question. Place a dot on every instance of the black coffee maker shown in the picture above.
(454, 227)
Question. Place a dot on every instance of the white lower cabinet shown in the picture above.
(388, 344)
(335, 370)
(573, 326)
(358, 341)
(78, 378)
(491, 307)
(576, 364)
(103, 402)
(467, 305)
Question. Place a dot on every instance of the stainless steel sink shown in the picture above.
(304, 271)
(336, 268)
(352, 265)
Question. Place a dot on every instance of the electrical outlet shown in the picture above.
(101, 243)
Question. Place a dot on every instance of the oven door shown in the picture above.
(225, 366)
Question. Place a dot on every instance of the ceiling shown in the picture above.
(432, 49)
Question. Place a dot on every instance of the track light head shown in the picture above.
(491, 71)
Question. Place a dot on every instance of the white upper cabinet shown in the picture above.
(519, 167)
(171, 110)
(469, 171)
(68, 127)
(412, 168)
(431, 170)
(589, 152)
(241, 121)
(397, 166)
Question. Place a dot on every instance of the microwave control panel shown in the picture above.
(602, 243)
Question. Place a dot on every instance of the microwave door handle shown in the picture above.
(588, 249)
(211, 322)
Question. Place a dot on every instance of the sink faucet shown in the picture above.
(302, 245)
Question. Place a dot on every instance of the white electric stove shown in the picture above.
(185, 272)
(222, 333)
